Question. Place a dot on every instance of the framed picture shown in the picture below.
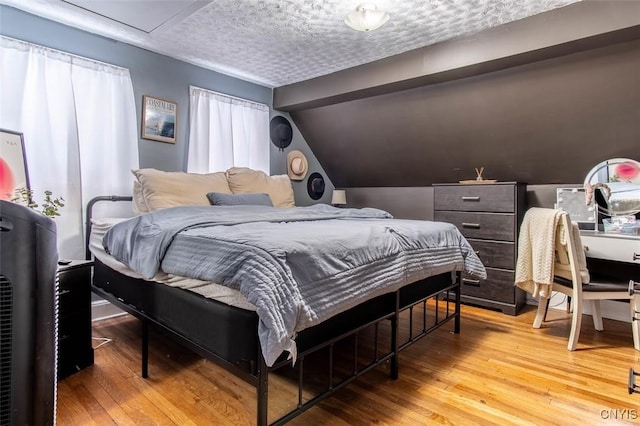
(13, 164)
(159, 119)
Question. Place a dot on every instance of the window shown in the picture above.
(225, 131)
(78, 118)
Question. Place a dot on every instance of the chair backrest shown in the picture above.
(566, 263)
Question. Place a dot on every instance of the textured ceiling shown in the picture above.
(279, 42)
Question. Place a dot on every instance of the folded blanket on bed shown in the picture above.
(298, 266)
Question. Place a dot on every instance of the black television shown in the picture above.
(28, 316)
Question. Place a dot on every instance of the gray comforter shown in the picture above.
(298, 266)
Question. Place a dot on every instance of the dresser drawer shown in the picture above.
(74, 354)
(73, 289)
(475, 198)
(75, 325)
(69, 299)
(498, 286)
(493, 226)
(496, 254)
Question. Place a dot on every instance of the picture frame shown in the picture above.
(159, 119)
(13, 164)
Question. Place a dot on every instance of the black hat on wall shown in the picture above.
(281, 132)
(315, 186)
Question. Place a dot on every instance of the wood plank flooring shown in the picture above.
(499, 370)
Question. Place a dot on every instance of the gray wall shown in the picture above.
(417, 202)
(279, 162)
(152, 74)
(160, 76)
(540, 117)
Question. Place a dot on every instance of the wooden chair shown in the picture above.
(568, 280)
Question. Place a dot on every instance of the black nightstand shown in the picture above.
(75, 351)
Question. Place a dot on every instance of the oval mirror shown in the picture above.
(614, 185)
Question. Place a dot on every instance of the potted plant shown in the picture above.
(49, 207)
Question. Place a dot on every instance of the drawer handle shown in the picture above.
(468, 281)
(470, 198)
(636, 256)
(470, 225)
(63, 292)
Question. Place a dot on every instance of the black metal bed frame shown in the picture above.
(259, 375)
(442, 296)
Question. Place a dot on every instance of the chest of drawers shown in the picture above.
(489, 216)
(74, 317)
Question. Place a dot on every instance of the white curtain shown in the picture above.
(225, 131)
(78, 119)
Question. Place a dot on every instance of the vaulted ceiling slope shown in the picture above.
(539, 101)
(279, 42)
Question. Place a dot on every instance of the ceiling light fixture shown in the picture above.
(366, 17)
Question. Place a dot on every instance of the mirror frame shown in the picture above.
(599, 180)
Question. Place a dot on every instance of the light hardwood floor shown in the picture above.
(499, 370)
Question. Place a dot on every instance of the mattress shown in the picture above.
(208, 289)
(299, 266)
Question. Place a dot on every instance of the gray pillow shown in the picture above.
(222, 199)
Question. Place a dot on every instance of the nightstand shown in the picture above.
(75, 351)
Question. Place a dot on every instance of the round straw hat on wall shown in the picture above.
(297, 165)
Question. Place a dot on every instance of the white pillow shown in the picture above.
(170, 189)
(243, 180)
(139, 205)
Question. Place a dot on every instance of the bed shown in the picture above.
(274, 285)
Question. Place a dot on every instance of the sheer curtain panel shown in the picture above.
(78, 118)
(225, 131)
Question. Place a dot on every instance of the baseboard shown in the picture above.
(101, 309)
(610, 309)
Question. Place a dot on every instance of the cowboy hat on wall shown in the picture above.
(297, 165)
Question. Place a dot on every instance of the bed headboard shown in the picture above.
(90, 204)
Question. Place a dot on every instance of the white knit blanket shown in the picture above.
(536, 250)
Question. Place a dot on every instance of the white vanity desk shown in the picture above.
(608, 246)
(616, 248)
